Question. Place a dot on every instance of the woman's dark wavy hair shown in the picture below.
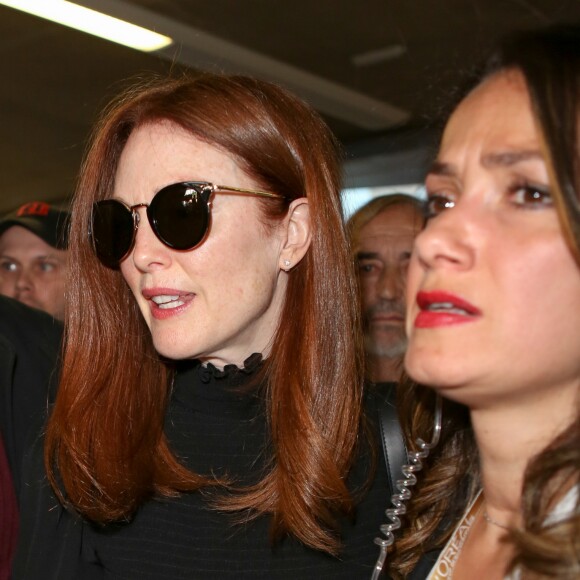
(549, 61)
(105, 450)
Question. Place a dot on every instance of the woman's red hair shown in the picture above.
(105, 449)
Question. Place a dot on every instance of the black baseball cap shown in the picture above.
(42, 219)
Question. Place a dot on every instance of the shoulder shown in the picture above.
(27, 329)
(423, 568)
(30, 342)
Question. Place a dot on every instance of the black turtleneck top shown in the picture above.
(216, 425)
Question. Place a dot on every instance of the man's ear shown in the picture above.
(298, 234)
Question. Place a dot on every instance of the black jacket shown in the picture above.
(29, 345)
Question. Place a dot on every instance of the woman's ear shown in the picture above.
(298, 234)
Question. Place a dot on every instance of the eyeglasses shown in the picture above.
(179, 215)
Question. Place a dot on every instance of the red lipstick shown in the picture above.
(167, 302)
(439, 308)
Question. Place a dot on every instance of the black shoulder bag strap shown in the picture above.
(391, 435)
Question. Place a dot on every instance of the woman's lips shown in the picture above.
(167, 302)
(439, 308)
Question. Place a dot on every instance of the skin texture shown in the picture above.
(499, 246)
(383, 251)
(32, 271)
(500, 249)
(232, 286)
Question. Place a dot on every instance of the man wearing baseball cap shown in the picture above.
(33, 256)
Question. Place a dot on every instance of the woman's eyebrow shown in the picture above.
(499, 159)
(442, 168)
(508, 158)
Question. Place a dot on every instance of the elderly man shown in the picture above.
(33, 256)
(382, 236)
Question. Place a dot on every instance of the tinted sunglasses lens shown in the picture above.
(112, 231)
(179, 215)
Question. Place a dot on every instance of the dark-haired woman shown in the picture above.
(494, 328)
(209, 421)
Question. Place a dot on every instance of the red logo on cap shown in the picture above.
(33, 208)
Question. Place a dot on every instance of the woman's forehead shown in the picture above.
(159, 153)
(493, 120)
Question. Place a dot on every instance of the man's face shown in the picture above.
(383, 250)
(32, 271)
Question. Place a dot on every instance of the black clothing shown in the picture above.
(213, 427)
(29, 345)
(30, 342)
(423, 568)
(8, 515)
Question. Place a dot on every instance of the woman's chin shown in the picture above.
(171, 348)
(444, 376)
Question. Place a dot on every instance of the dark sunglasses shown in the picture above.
(179, 215)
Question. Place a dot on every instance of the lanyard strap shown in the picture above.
(443, 569)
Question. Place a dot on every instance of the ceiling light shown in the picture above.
(92, 22)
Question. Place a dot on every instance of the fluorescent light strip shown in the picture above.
(92, 22)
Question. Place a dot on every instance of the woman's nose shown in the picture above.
(149, 253)
(448, 240)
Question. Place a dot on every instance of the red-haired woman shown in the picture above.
(209, 421)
